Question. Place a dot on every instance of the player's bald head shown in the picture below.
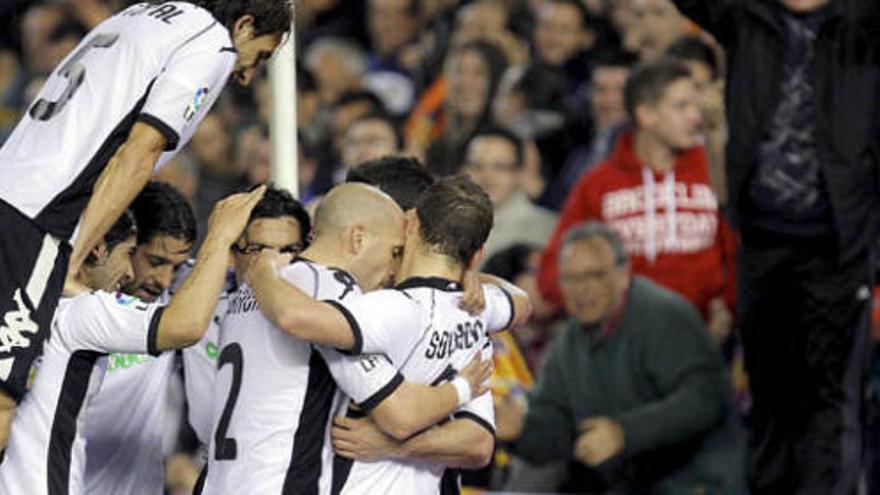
(353, 204)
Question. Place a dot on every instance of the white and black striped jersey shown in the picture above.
(274, 393)
(46, 450)
(162, 64)
(128, 417)
(421, 329)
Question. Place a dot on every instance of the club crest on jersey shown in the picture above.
(196, 104)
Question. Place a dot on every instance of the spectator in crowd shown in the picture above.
(659, 25)
(494, 160)
(563, 33)
(488, 20)
(665, 426)
(370, 136)
(654, 191)
(393, 26)
(607, 121)
(338, 66)
(802, 163)
(472, 73)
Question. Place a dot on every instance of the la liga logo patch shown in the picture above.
(197, 102)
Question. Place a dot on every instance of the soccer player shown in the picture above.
(275, 393)
(46, 452)
(135, 87)
(419, 327)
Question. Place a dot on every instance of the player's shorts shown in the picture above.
(33, 266)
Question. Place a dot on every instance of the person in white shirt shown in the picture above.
(418, 326)
(46, 452)
(120, 105)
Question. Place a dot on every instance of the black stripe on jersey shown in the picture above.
(200, 481)
(61, 215)
(153, 333)
(476, 419)
(377, 398)
(342, 465)
(358, 347)
(67, 410)
(512, 312)
(172, 139)
(304, 470)
(229, 49)
(438, 283)
(449, 482)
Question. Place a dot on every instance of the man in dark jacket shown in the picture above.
(634, 390)
(803, 93)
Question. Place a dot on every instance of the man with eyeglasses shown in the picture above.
(634, 395)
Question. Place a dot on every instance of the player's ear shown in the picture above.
(98, 255)
(357, 239)
(412, 222)
(243, 29)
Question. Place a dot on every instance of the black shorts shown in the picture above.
(33, 266)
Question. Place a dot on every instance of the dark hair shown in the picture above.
(543, 87)
(455, 216)
(278, 203)
(124, 228)
(160, 209)
(381, 116)
(615, 58)
(497, 132)
(359, 96)
(510, 262)
(592, 230)
(401, 177)
(496, 63)
(648, 82)
(270, 16)
(691, 49)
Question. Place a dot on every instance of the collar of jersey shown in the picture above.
(438, 283)
(306, 260)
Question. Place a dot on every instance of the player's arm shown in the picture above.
(519, 299)
(185, 320)
(294, 311)
(465, 442)
(116, 187)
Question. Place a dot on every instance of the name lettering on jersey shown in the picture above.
(444, 344)
(163, 12)
(243, 302)
(17, 325)
(118, 362)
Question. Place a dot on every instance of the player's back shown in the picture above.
(273, 395)
(446, 339)
(90, 102)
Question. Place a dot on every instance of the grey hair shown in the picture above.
(592, 230)
(352, 56)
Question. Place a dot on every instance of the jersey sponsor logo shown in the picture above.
(130, 301)
(211, 350)
(444, 344)
(118, 362)
(243, 302)
(197, 102)
(17, 325)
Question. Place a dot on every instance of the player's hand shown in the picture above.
(472, 300)
(230, 216)
(267, 262)
(362, 440)
(601, 439)
(477, 374)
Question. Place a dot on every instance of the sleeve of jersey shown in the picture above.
(480, 410)
(499, 308)
(182, 94)
(367, 379)
(380, 321)
(106, 322)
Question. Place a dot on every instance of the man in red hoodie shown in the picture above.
(654, 190)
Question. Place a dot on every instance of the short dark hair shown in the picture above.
(456, 217)
(160, 209)
(648, 81)
(404, 178)
(359, 96)
(691, 49)
(498, 132)
(510, 262)
(124, 228)
(277, 203)
(270, 16)
(381, 116)
(592, 230)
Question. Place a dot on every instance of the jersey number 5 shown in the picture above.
(226, 449)
(75, 74)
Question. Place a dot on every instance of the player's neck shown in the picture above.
(321, 254)
(429, 264)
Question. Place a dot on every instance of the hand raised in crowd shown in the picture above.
(362, 440)
(230, 216)
(601, 439)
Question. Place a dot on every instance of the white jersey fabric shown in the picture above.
(127, 419)
(164, 65)
(46, 450)
(421, 329)
(274, 393)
